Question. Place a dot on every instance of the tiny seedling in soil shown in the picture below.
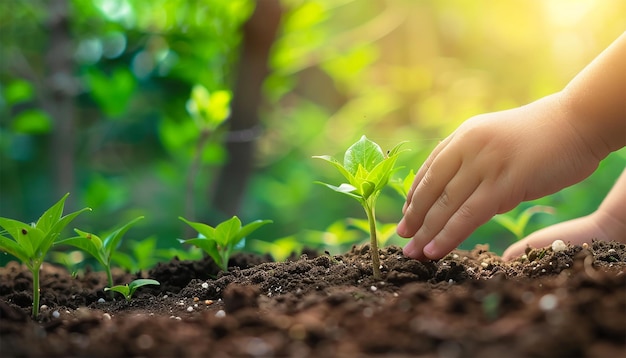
(517, 226)
(367, 169)
(129, 289)
(101, 250)
(31, 243)
(219, 242)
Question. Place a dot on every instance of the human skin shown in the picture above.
(606, 223)
(494, 161)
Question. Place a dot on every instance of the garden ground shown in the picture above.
(469, 304)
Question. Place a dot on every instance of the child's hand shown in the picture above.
(489, 165)
(606, 223)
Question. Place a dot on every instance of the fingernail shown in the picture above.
(400, 229)
(409, 250)
(430, 250)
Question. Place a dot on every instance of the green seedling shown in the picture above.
(142, 255)
(69, 260)
(219, 242)
(129, 289)
(101, 250)
(367, 170)
(384, 232)
(402, 186)
(517, 226)
(31, 243)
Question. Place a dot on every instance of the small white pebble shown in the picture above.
(165, 296)
(56, 314)
(455, 256)
(220, 314)
(205, 285)
(373, 288)
(451, 281)
(524, 257)
(548, 302)
(368, 312)
(189, 309)
(558, 246)
(43, 307)
(106, 316)
(101, 300)
(484, 264)
(611, 251)
(195, 305)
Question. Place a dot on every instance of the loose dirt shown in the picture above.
(469, 304)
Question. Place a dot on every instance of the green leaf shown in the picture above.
(51, 216)
(343, 189)
(349, 176)
(402, 186)
(209, 246)
(32, 121)
(134, 285)
(124, 261)
(226, 231)
(13, 248)
(111, 242)
(18, 91)
(123, 289)
(90, 243)
(19, 231)
(203, 229)
(250, 228)
(365, 153)
(57, 228)
(223, 238)
(367, 189)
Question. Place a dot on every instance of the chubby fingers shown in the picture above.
(450, 222)
(428, 187)
(423, 170)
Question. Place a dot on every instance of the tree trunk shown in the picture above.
(259, 33)
(60, 88)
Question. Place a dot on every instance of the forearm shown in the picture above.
(596, 100)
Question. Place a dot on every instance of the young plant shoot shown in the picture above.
(101, 250)
(129, 289)
(220, 241)
(517, 225)
(31, 243)
(367, 170)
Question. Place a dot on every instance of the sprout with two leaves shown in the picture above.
(30, 243)
(367, 170)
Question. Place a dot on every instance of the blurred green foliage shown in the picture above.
(394, 70)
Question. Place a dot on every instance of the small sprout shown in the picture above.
(101, 249)
(31, 243)
(129, 289)
(491, 305)
(220, 241)
(558, 246)
(517, 226)
(367, 170)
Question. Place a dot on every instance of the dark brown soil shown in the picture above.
(469, 304)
